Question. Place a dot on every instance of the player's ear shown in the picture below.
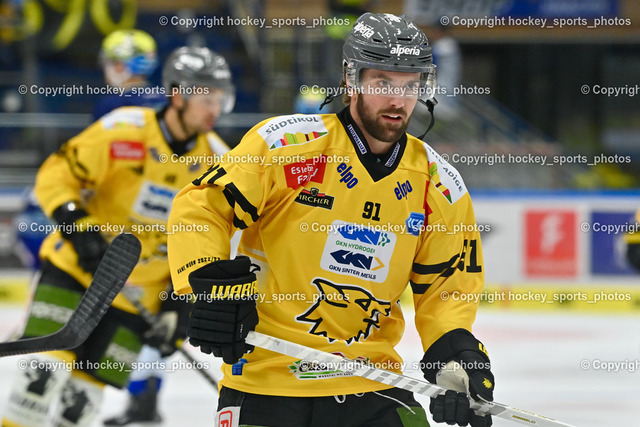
(177, 100)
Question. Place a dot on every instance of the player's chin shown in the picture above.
(206, 127)
(394, 131)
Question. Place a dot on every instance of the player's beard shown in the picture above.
(376, 127)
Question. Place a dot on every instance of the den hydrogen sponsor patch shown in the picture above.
(154, 201)
(358, 251)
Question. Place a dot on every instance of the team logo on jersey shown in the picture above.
(346, 175)
(358, 251)
(344, 312)
(313, 197)
(415, 223)
(299, 173)
(295, 129)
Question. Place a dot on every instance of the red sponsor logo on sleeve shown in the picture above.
(299, 173)
(127, 150)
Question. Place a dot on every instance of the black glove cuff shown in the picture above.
(66, 215)
(449, 347)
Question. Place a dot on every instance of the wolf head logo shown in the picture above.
(344, 312)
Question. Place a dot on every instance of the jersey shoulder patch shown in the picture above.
(444, 177)
(124, 118)
(296, 129)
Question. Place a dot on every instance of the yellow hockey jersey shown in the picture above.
(338, 234)
(124, 172)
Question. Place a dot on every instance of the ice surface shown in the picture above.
(536, 358)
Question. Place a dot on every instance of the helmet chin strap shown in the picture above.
(430, 103)
(327, 100)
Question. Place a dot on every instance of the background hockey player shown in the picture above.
(118, 175)
(144, 384)
(344, 212)
(128, 58)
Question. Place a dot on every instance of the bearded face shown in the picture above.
(384, 105)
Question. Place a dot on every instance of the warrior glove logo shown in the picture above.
(344, 312)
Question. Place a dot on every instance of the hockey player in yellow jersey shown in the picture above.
(118, 175)
(340, 212)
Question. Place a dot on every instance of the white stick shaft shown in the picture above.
(391, 378)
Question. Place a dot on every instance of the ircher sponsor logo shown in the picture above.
(313, 197)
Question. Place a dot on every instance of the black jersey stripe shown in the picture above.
(242, 201)
(434, 268)
(237, 222)
(419, 288)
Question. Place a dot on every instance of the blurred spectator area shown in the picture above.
(527, 79)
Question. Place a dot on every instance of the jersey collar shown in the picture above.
(377, 166)
(178, 147)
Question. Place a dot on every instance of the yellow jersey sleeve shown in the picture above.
(85, 160)
(448, 267)
(230, 195)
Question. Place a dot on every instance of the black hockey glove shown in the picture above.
(458, 361)
(89, 245)
(170, 330)
(224, 310)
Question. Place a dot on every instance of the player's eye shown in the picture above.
(413, 88)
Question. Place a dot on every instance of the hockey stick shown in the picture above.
(361, 369)
(152, 319)
(114, 269)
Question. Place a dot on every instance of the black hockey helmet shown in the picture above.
(199, 66)
(388, 42)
